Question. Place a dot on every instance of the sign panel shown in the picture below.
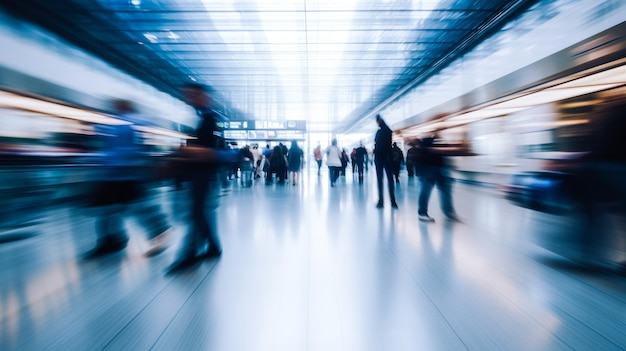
(265, 130)
(235, 134)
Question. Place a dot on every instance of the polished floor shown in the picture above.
(310, 267)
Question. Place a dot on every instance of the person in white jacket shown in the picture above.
(333, 160)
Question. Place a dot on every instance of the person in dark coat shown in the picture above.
(360, 158)
(382, 161)
(434, 171)
(412, 158)
(294, 161)
(202, 239)
(277, 165)
(397, 158)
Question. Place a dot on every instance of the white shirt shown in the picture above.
(333, 156)
(257, 154)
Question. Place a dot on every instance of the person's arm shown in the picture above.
(204, 155)
(452, 150)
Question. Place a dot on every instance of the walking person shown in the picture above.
(433, 170)
(317, 154)
(360, 158)
(344, 162)
(333, 160)
(294, 161)
(353, 160)
(413, 158)
(202, 239)
(256, 153)
(397, 158)
(125, 164)
(277, 165)
(382, 161)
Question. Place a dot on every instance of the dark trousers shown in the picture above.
(429, 177)
(319, 166)
(384, 165)
(333, 174)
(360, 166)
(204, 204)
(396, 171)
(121, 199)
(280, 174)
(411, 169)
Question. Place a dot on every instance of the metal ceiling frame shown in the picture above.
(69, 25)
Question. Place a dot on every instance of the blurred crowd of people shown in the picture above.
(278, 162)
(207, 161)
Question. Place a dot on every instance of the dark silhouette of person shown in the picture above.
(360, 157)
(434, 171)
(344, 161)
(202, 239)
(246, 165)
(333, 161)
(397, 157)
(412, 158)
(277, 165)
(294, 161)
(382, 161)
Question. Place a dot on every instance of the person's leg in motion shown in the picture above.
(110, 230)
(210, 232)
(200, 234)
(379, 182)
(444, 184)
(360, 170)
(331, 175)
(427, 182)
(151, 216)
(390, 182)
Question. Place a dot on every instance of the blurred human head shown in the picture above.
(334, 142)
(294, 143)
(123, 106)
(196, 95)
(380, 121)
(414, 142)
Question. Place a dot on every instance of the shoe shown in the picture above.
(380, 204)
(158, 244)
(426, 218)
(394, 205)
(453, 218)
(182, 264)
(212, 253)
(105, 248)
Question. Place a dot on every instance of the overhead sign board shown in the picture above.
(271, 125)
(265, 130)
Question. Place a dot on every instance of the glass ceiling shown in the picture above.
(329, 62)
